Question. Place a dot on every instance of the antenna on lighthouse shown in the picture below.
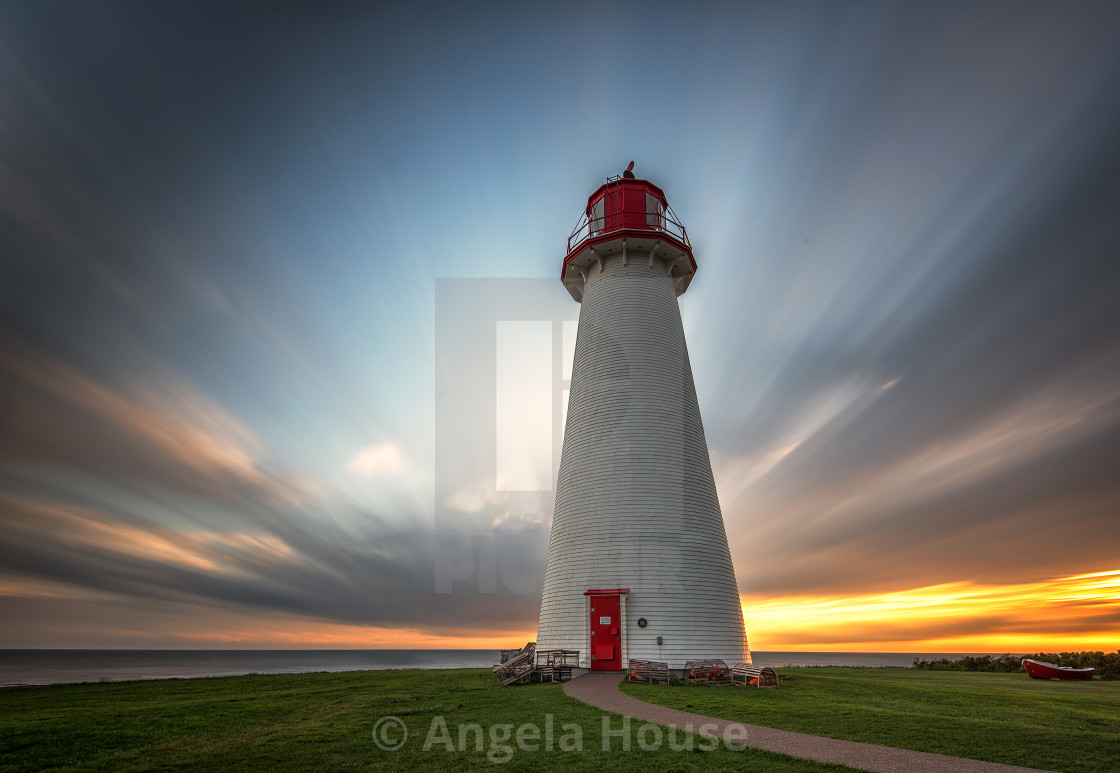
(638, 561)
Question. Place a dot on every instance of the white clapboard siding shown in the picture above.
(636, 503)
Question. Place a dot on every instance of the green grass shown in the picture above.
(1009, 718)
(321, 722)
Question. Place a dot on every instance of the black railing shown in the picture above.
(662, 221)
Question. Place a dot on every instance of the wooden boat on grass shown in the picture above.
(1040, 670)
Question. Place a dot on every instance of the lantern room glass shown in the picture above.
(655, 211)
(598, 216)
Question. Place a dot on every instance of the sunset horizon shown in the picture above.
(1061, 601)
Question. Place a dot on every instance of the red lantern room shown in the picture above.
(629, 217)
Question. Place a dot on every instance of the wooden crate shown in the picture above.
(754, 676)
(651, 671)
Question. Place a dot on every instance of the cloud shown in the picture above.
(997, 502)
(85, 529)
(163, 434)
(942, 224)
(371, 573)
(469, 500)
(485, 495)
(154, 493)
(114, 623)
(516, 520)
(383, 460)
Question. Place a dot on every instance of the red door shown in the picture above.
(606, 634)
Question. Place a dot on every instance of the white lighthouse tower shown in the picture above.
(638, 563)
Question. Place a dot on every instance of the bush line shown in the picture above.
(1106, 663)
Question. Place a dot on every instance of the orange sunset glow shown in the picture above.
(1076, 612)
(1013, 618)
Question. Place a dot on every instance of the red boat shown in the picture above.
(1049, 671)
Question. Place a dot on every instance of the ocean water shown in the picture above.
(23, 667)
(854, 659)
(56, 666)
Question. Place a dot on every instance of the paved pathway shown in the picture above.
(600, 689)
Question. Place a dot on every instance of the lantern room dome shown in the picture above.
(630, 217)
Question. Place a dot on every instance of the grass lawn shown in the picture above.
(326, 722)
(1009, 718)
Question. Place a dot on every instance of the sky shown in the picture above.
(251, 255)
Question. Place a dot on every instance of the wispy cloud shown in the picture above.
(376, 461)
(989, 502)
(372, 573)
(85, 530)
(161, 433)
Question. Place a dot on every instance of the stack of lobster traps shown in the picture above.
(706, 672)
(516, 665)
(651, 671)
(754, 676)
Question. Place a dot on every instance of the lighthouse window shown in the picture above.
(653, 211)
(597, 215)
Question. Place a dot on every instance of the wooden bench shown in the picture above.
(706, 671)
(755, 676)
(651, 671)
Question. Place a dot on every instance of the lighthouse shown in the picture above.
(638, 561)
